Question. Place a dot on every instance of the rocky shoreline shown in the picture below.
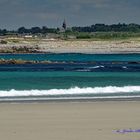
(73, 46)
(21, 62)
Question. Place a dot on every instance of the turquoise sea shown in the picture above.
(80, 76)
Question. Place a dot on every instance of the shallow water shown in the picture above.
(73, 57)
(83, 79)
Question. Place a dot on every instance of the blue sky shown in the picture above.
(51, 13)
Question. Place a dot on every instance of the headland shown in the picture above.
(89, 46)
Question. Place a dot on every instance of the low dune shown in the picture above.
(72, 46)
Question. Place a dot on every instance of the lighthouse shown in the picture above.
(64, 26)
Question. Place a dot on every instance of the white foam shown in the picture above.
(124, 67)
(71, 91)
(96, 67)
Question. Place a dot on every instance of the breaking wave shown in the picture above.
(72, 91)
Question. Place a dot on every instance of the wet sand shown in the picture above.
(69, 121)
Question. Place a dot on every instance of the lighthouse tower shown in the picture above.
(64, 26)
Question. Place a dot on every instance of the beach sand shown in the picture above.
(74, 46)
(69, 121)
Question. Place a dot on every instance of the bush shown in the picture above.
(3, 42)
(83, 37)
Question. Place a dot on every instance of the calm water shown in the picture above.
(83, 79)
(73, 57)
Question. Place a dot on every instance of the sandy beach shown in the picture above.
(69, 121)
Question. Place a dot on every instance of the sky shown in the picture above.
(51, 13)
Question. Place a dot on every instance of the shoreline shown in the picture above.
(128, 46)
(71, 100)
(72, 53)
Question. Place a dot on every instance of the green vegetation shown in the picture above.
(36, 30)
(3, 42)
(103, 35)
(109, 28)
(93, 32)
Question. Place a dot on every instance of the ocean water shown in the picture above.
(82, 76)
(74, 57)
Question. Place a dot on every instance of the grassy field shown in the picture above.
(103, 35)
(73, 36)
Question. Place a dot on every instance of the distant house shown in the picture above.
(28, 36)
(49, 39)
(25, 35)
